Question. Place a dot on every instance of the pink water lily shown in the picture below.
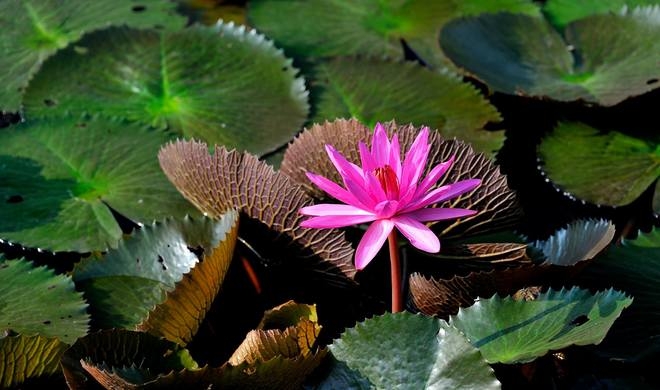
(389, 193)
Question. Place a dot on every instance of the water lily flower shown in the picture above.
(389, 193)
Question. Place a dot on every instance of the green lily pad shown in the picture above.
(377, 91)
(127, 283)
(33, 30)
(603, 168)
(512, 331)
(603, 59)
(319, 28)
(223, 84)
(62, 176)
(580, 240)
(563, 12)
(36, 301)
(27, 357)
(410, 351)
(634, 267)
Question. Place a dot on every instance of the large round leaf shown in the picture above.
(512, 331)
(377, 91)
(603, 58)
(223, 84)
(33, 30)
(634, 267)
(144, 277)
(412, 352)
(61, 177)
(321, 28)
(603, 168)
(562, 12)
(36, 301)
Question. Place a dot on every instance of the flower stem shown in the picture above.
(395, 271)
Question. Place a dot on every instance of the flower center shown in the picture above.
(388, 181)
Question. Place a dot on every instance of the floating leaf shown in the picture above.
(376, 91)
(33, 30)
(268, 198)
(634, 267)
(413, 351)
(223, 84)
(123, 353)
(603, 168)
(27, 357)
(513, 331)
(563, 12)
(580, 240)
(36, 301)
(150, 271)
(179, 316)
(62, 178)
(603, 58)
(319, 28)
(496, 203)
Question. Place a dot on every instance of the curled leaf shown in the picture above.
(580, 240)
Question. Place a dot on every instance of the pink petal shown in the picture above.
(372, 241)
(395, 155)
(417, 233)
(443, 193)
(374, 188)
(436, 173)
(380, 146)
(333, 189)
(439, 213)
(368, 162)
(335, 221)
(352, 176)
(332, 209)
(415, 160)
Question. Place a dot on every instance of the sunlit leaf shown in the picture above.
(603, 168)
(602, 59)
(320, 28)
(179, 316)
(134, 357)
(287, 314)
(27, 357)
(512, 331)
(158, 265)
(62, 177)
(580, 240)
(634, 267)
(496, 203)
(33, 30)
(413, 351)
(270, 200)
(373, 91)
(34, 300)
(222, 84)
(563, 12)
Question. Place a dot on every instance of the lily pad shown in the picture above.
(563, 12)
(318, 28)
(373, 91)
(33, 30)
(27, 357)
(223, 84)
(601, 59)
(580, 240)
(496, 203)
(410, 351)
(515, 331)
(36, 301)
(63, 177)
(150, 272)
(270, 200)
(603, 168)
(633, 266)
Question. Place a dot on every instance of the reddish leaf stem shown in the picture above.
(252, 275)
(395, 271)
